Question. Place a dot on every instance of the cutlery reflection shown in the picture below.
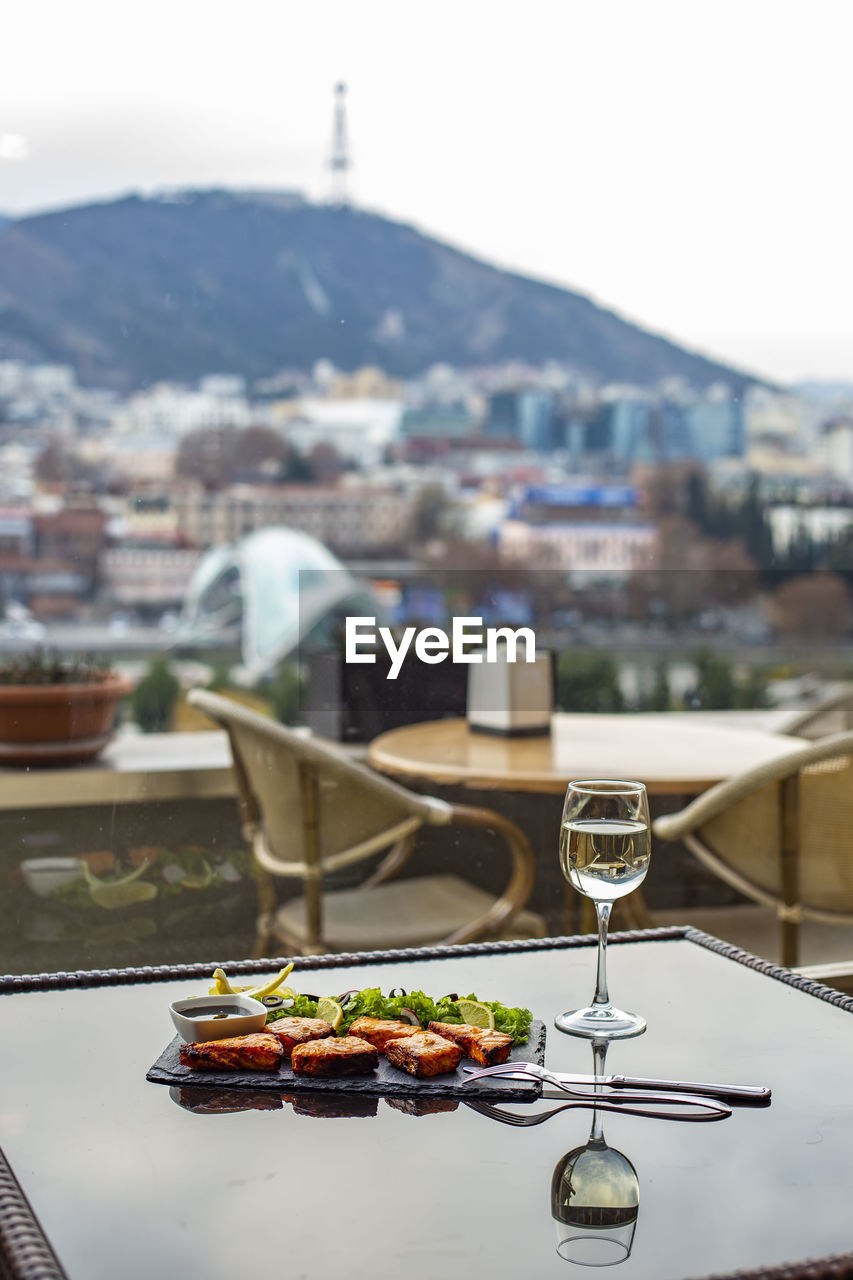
(699, 1110)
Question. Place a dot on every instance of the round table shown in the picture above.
(665, 751)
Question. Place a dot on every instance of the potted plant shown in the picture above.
(56, 711)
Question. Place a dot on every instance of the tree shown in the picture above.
(327, 463)
(839, 554)
(664, 488)
(285, 693)
(753, 526)
(658, 695)
(733, 573)
(681, 580)
(219, 456)
(208, 455)
(588, 681)
(260, 454)
(429, 509)
(296, 469)
(58, 465)
(716, 687)
(154, 697)
(815, 605)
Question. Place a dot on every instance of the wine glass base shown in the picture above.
(601, 1022)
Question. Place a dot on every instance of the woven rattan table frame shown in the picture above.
(26, 1252)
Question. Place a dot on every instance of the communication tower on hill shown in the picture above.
(339, 160)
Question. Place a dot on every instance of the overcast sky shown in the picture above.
(686, 163)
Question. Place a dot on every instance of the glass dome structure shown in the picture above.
(267, 592)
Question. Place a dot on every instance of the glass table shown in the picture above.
(106, 1174)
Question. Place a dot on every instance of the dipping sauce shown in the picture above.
(216, 1011)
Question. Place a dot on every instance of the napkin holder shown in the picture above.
(511, 699)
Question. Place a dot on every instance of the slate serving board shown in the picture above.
(385, 1082)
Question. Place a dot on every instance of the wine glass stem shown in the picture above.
(602, 910)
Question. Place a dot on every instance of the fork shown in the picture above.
(609, 1101)
(711, 1113)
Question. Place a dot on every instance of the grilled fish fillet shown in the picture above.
(339, 1056)
(424, 1054)
(486, 1047)
(293, 1031)
(378, 1031)
(257, 1052)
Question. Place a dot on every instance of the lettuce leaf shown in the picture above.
(371, 1003)
(302, 1007)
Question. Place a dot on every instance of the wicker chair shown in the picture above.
(833, 714)
(782, 835)
(309, 810)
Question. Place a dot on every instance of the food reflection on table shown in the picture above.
(332, 1106)
(595, 1196)
(322, 1106)
(204, 1101)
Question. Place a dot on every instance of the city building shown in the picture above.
(835, 448)
(146, 578)
(599, 550)
(72, 538)
(584, 528)
(361, 430)
(351, 519)
(527, 415)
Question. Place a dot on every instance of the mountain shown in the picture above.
(139, 289)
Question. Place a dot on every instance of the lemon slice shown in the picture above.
(476, 1015)
(330, 1011)
(273, 987)
(221, 985)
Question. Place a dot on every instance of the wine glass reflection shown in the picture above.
(595, 1197)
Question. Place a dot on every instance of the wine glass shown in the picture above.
(604, 853)
(595, 1196)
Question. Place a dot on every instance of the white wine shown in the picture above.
(604, 859)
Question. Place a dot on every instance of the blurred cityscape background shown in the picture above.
(238, 401)
(675, 508)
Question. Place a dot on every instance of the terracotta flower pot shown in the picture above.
(58, 723)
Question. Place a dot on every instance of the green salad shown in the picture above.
(371, 1003)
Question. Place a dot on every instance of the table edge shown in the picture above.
(528, 781)
(26, 1252)
(83, 978)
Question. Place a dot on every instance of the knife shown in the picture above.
(739, 1094)
(736, 1093)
